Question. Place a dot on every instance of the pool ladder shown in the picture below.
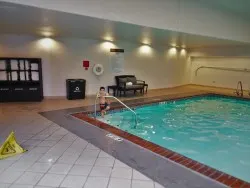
(239, 90)
(97, 96)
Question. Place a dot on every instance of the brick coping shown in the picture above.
(196, 166)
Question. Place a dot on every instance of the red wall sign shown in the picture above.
(85, 64)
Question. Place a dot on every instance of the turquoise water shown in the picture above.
(212, 130)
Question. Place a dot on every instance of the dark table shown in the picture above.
(114, 88)
(145, 86)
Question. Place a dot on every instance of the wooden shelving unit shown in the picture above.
(20, 79)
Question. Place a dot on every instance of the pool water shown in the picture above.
(210, 129)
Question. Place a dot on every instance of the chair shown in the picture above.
(122, 84)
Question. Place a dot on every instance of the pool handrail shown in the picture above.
(109, 96)
(239, 91)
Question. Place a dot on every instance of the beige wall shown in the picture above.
(237, 58)
(189, 16)
(160, 68)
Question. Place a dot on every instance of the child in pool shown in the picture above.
(104, 102)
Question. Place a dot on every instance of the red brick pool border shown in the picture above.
(205, 170)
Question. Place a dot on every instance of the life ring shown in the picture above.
(98, 69)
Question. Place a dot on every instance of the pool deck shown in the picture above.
(143, 156)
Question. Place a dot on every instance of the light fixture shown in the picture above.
(46, 31)
(47, 34)
(173, 44)
(46, 43)
(107, 45)
(172, 51)
(145, 49)
(183, 52)
(108, 38)
(146, 41)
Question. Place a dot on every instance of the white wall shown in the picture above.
(189, 16)
(160, 68)
(238, 58)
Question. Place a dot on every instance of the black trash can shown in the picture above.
(75, 88)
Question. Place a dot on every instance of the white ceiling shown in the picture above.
(19, 19)
(239, 7)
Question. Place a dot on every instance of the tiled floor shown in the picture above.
(58, 158)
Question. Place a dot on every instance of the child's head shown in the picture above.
(102, 89)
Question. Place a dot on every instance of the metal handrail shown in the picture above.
(97, 96)
(223, 68)
(241, 89)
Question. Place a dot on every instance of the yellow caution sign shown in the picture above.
(10, 147)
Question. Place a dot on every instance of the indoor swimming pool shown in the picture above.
(213, 130)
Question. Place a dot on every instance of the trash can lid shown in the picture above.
(75, 79)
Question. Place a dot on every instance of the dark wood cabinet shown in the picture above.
(20, 79)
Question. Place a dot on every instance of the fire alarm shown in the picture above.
(85, 64)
